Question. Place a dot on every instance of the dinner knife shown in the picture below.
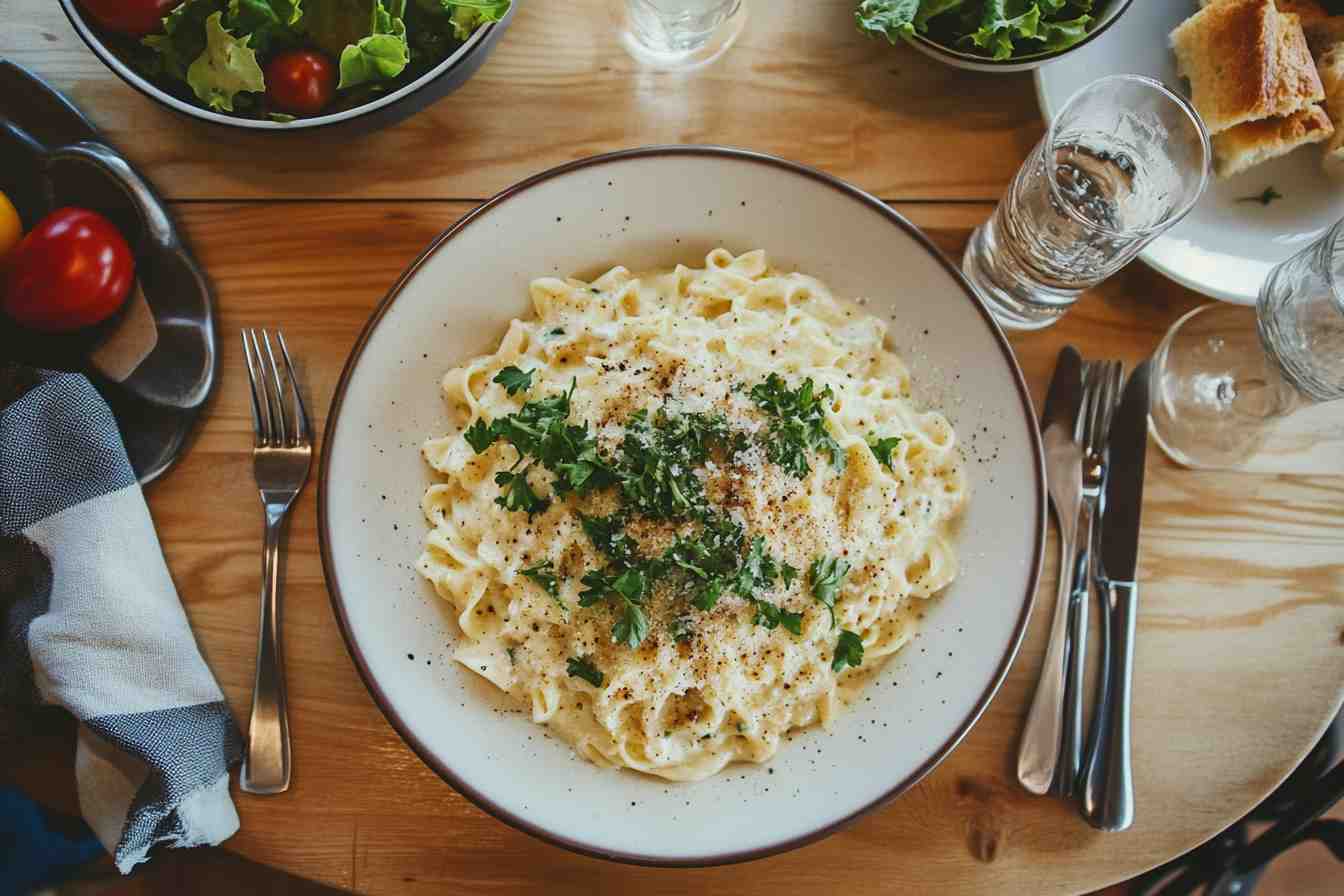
(1039, 751)
(1108, 784)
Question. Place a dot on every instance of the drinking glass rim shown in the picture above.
(1181, 103)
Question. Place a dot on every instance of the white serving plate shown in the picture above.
(1225, 247)
(648, 208)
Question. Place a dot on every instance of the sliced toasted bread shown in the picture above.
(1332, 76)
(1245, 61)
(1249, 144)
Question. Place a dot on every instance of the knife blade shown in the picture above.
(1065, 395)
(1108, 784)
(1126, 447)
(1038, 757)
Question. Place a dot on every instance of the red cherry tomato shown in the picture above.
(301, 82)
(138, 17)
(72, 270)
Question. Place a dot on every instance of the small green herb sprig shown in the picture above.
(797, 424)
(582, 667)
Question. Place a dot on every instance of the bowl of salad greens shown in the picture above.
(282, 65)
(990, 35)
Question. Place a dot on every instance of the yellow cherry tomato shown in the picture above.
(11, 230)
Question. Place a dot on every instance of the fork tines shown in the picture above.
(278, 423)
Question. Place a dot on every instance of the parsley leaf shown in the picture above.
(544, 575)
(798, 424)
(848, 651)
(480, 436)
(788, 574)
(582, 667)
(828, 574)
(882, 449)
(632, 628)
(659, 456)
(629, 588)
(772, 616)
(518, 494)
(608, 536)
(514, 380)
(682, 631)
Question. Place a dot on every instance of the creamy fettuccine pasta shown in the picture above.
(688, 511)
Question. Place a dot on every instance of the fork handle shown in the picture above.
(1038, 753)
(266, 765)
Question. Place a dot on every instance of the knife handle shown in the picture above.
(1108, 788)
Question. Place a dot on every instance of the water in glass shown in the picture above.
(1124, 160)
(680, 32)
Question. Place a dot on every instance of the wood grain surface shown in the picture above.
(1240, 649)
(801, 83)
(1241, 643)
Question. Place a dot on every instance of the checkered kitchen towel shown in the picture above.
(90, 620)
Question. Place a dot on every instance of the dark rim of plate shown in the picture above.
(947, 52)
(149, 89)
(482, 800)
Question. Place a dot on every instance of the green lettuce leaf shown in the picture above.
(998, 27)
(272, 24)
(383, 54)
(930, 9)
(468, 15)
(892, 19)
(227, 67)
(183, 37)
(1059, 35)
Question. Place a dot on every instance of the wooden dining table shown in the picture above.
(1240, 650)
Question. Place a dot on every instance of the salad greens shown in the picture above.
(998, 29)
(216, 52)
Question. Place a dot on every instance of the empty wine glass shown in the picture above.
(1225, 375)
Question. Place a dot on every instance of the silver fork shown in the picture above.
(281, 457)
(1104, 380)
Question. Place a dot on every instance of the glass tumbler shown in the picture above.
(1225, 375)
(1124, 160)
(681, 34)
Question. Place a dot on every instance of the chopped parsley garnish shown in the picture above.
(682, 629)
(710, 559)
(658, 460)
(828, 574)
(540, 430)
(514, 380)
(607, 533)
(518, 494)
(772, 616)
(544, 575)
(797, 424)
(848, 651)
(882, 449)
(582, 667)
(1264, 197)
(628, 591)
(558, 331)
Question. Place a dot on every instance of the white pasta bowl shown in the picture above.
(648, 209)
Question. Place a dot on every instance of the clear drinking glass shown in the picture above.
(681, 34)
(1225, 375)
(1124, 160)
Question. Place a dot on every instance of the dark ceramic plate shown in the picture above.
(154, 361)
(387, 109)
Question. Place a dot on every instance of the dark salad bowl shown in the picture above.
(380, 111)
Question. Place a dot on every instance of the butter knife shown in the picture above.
(1108, 783)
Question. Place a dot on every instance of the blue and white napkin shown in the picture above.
(90, 620)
